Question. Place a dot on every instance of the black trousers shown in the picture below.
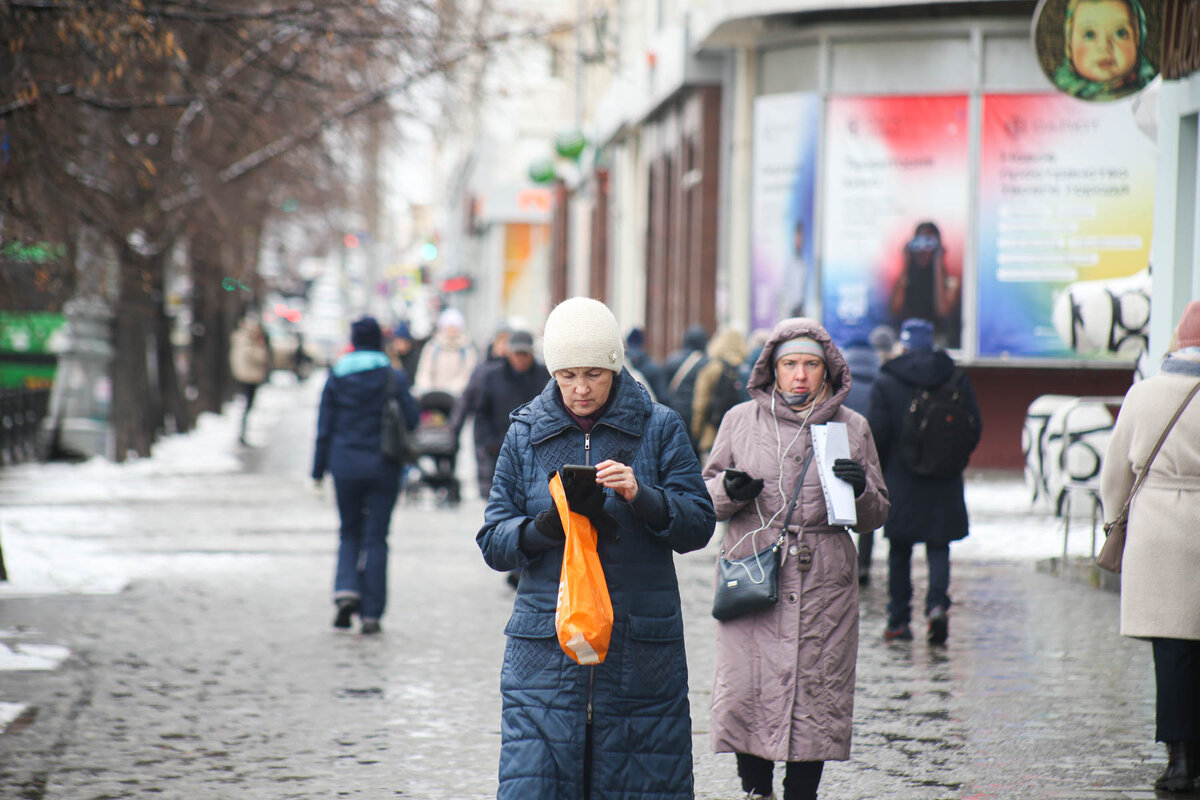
(248, 390)
(1177, 678)
(800, 780)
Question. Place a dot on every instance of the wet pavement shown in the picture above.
(214, 672)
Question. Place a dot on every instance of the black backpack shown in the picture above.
(727, 392)
(938, 432)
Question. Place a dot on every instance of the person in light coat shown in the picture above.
(448, 359)
(784, 683)
(1160, 571)
(250, 364)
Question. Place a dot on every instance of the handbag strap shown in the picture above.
(795, 494)
(791, 507)
(1158, 446)
(389, 389)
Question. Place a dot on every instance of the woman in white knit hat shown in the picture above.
(620, 728)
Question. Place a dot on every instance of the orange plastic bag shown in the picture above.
(584, 616)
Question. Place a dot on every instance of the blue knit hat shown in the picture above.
(366, 335)
(916, 334)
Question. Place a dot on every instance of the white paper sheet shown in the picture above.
(830, 443)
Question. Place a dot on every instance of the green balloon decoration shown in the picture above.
(570, 144)
(542, 171)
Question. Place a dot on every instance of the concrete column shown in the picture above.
(1175, 251)
(740, 178)
(77, 423)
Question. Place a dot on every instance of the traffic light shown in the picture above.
(429, 251)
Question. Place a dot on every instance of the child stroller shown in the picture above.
(437, 446)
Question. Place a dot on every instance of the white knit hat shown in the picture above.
(582, 333)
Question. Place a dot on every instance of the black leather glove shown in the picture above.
(740, 486)
(585, 496)
(852, 473)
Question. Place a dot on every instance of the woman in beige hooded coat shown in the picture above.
(1160, 589)
(784, 684)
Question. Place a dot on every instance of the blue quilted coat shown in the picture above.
(639, 740)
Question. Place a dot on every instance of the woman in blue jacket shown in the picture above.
(621, 729)
(366, 484)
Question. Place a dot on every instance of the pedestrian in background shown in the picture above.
(718, 387)
(250, 364)
(448, 358)
(405, 350)
(784, 683)
(682, 367)
(504, 385)
(365, 483)
(925, 508)
(863, 362)
(637, 358)
(621, 728)
(754, 347)
(883, 340)
(467, 403)
(1160, 593)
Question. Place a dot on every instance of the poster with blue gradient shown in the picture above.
(783, 281)
(1066, 193)
(894, 214)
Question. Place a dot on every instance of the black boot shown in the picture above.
(1180, 774)
(346, 608)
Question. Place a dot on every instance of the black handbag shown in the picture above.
(751, 584)
(394, 441)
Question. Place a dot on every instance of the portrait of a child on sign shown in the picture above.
(1098, 49)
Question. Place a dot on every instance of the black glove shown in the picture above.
(545, 533)
(585, 496)
(852, 473)
(740, 486)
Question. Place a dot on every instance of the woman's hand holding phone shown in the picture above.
(618, 477)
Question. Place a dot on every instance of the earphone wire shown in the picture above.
(780, 452)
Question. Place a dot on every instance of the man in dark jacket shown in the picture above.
(349, 436)
(504, 385)
(929, 509)
(681, 369)
(863, 361)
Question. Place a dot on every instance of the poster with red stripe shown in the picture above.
(896, 202)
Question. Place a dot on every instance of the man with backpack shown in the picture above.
(925, 420)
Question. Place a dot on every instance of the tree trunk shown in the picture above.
(132, 431)
(212, 321)
(178, 414)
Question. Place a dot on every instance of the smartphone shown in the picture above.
(578, 472)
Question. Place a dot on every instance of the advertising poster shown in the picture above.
(1066, 194)
(895, 214)
(785, 158)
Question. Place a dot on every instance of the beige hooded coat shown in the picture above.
(784, 683)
